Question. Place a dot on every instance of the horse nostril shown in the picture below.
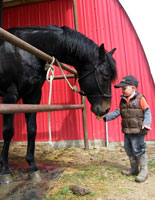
(99, 111)
(95, 109)
(107, 110)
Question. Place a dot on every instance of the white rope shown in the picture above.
(74, 88)
(49, 77)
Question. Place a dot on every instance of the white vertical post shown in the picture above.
(106, 130)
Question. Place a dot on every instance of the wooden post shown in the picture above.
(75, 15)
(83, 99)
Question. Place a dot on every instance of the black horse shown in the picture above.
(22, 76)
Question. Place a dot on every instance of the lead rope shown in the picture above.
(49, 78)
(74, 87)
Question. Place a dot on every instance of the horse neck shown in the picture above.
(68, 46)
(79, 50)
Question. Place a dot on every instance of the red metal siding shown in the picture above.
(104, 21)
(65, 125)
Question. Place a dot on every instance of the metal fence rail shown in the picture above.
(30, 108)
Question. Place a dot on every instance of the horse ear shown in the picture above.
(102, 52)
(112, 51)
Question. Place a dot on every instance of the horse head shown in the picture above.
(96, 83)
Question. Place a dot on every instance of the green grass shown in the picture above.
(89, 177)
(100, 179)
(151, 165)
(61, 195)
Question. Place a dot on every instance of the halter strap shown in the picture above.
(98, 85)
(87, 74)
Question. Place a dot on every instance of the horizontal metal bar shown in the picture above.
(12, 3)
(30, 108)
(6, 36)
(62, 77)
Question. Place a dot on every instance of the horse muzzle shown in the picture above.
(99, 111)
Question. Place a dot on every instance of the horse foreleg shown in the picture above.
(31, 131)
(11, 96)
(31, 134)
(8, 132)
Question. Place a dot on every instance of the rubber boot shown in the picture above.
(143, 174)
(134, 167)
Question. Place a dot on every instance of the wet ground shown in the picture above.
(98, 169)
(24, 188)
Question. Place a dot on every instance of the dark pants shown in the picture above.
(134, 144)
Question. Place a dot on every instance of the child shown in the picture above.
(136, 121)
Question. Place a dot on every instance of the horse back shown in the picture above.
(52, 28)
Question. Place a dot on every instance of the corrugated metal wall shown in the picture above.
(66, 125)
(104, 21)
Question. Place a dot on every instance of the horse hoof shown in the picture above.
(35, 176)
(6, 179)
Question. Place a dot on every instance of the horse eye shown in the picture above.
(104, 72)
(106, 77)
(100, 70)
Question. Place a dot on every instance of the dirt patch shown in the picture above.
(98, 170)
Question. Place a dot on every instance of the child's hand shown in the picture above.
(147, 127)
(100, 117)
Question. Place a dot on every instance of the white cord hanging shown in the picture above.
(74, 88)
(49, 77)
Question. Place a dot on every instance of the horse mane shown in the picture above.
(80, 45)
(112, 66)
(76, 43)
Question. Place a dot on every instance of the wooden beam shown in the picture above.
(20, 2)
(75, 15)
(83, 99)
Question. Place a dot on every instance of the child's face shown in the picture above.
(128, 90)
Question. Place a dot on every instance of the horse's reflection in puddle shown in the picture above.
(25, 186)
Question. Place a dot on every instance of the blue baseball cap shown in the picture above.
(127, 80)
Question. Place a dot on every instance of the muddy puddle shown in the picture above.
(24, 188)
